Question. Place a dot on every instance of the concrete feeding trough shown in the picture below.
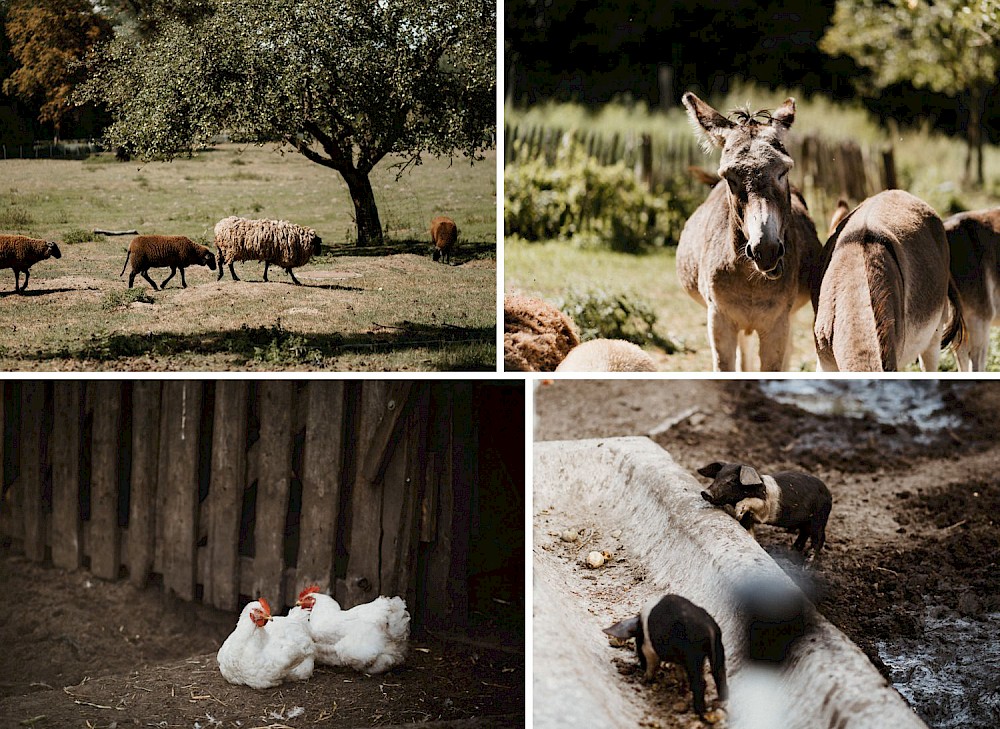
(689, 548)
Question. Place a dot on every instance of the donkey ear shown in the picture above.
(707, 121)
(711, 470)
(749, 476)
(785, 114)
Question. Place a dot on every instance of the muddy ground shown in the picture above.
(910, 571)
(81, 652)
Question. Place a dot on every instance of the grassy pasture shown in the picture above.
(369, 309)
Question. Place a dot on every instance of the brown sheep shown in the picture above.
(536, 335)
(165, 251)
(444, 236)
(21, 253)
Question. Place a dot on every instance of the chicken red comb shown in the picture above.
(264, 604)
(308, 591)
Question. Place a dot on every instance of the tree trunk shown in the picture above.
(974, 138)
(365, 210)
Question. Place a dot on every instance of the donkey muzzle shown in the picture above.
(768, 258)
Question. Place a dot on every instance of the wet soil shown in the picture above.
(910, 571)
(81, 652)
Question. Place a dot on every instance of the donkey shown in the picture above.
(749, 251)
(974, 240)
(882, 297)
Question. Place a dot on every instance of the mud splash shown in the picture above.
(957, 659)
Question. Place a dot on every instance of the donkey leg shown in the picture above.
(723, 335)
(774, 350)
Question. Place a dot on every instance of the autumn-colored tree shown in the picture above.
(49, 39)
(947, 46)
(343, 82)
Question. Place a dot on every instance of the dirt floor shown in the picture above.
(910, 570)
(81, 652)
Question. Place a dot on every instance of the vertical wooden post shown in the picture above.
(104, 543)
(403, 486)
(180, 523)
(225, 494)
(382, 404)
(438, 509)
(889, 167)
(66, 433)
(464, 457)
(32, 401)
(323, 459)
(143, 482)
(274, 475)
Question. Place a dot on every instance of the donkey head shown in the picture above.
(755, 165)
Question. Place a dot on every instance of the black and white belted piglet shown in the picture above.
(789, 499)
(672, 628)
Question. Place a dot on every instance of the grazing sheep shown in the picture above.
(536, 335)
(272, 241)
(165, 251)
(607, 355)
(21, 253)
(444, 236)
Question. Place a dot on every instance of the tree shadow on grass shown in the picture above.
(473, 346)
(465, 251)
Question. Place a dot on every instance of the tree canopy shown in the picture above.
(949, 46)
(344, 82)
(48, 41)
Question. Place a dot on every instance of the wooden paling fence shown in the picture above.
(824, 169)
(223, 491)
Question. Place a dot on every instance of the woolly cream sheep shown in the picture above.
(607, 355)
(165, 251)
(272, 241)
(536, 335)
(21, 253)
(444, 237)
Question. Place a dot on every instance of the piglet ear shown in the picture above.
(711, 470)
(624, 629)
(749, 476)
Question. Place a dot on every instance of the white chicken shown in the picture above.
(371, 638)
(264, 650)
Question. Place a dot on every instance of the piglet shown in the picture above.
(672, 628)
(790, 499)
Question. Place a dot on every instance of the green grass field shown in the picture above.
(370, 309)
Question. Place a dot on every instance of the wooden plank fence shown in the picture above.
(825, 169)
(223, 491)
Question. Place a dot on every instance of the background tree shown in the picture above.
(48, 40)
(344, 82)
(949, 46)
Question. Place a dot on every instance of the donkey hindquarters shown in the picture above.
(749, 252)
(974, 240)
(883, 296)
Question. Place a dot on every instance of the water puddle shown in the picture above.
(916, 403)
(950, 675)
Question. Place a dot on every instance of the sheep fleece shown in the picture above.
(162, 251)
(277, 242)
(20, 252)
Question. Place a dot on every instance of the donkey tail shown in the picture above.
(126, 262)
(955, 334)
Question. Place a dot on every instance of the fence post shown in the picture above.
(180, 528)
(30, 479)
(67, 406)
(143, 483)
(104, 537)
(889, 168)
